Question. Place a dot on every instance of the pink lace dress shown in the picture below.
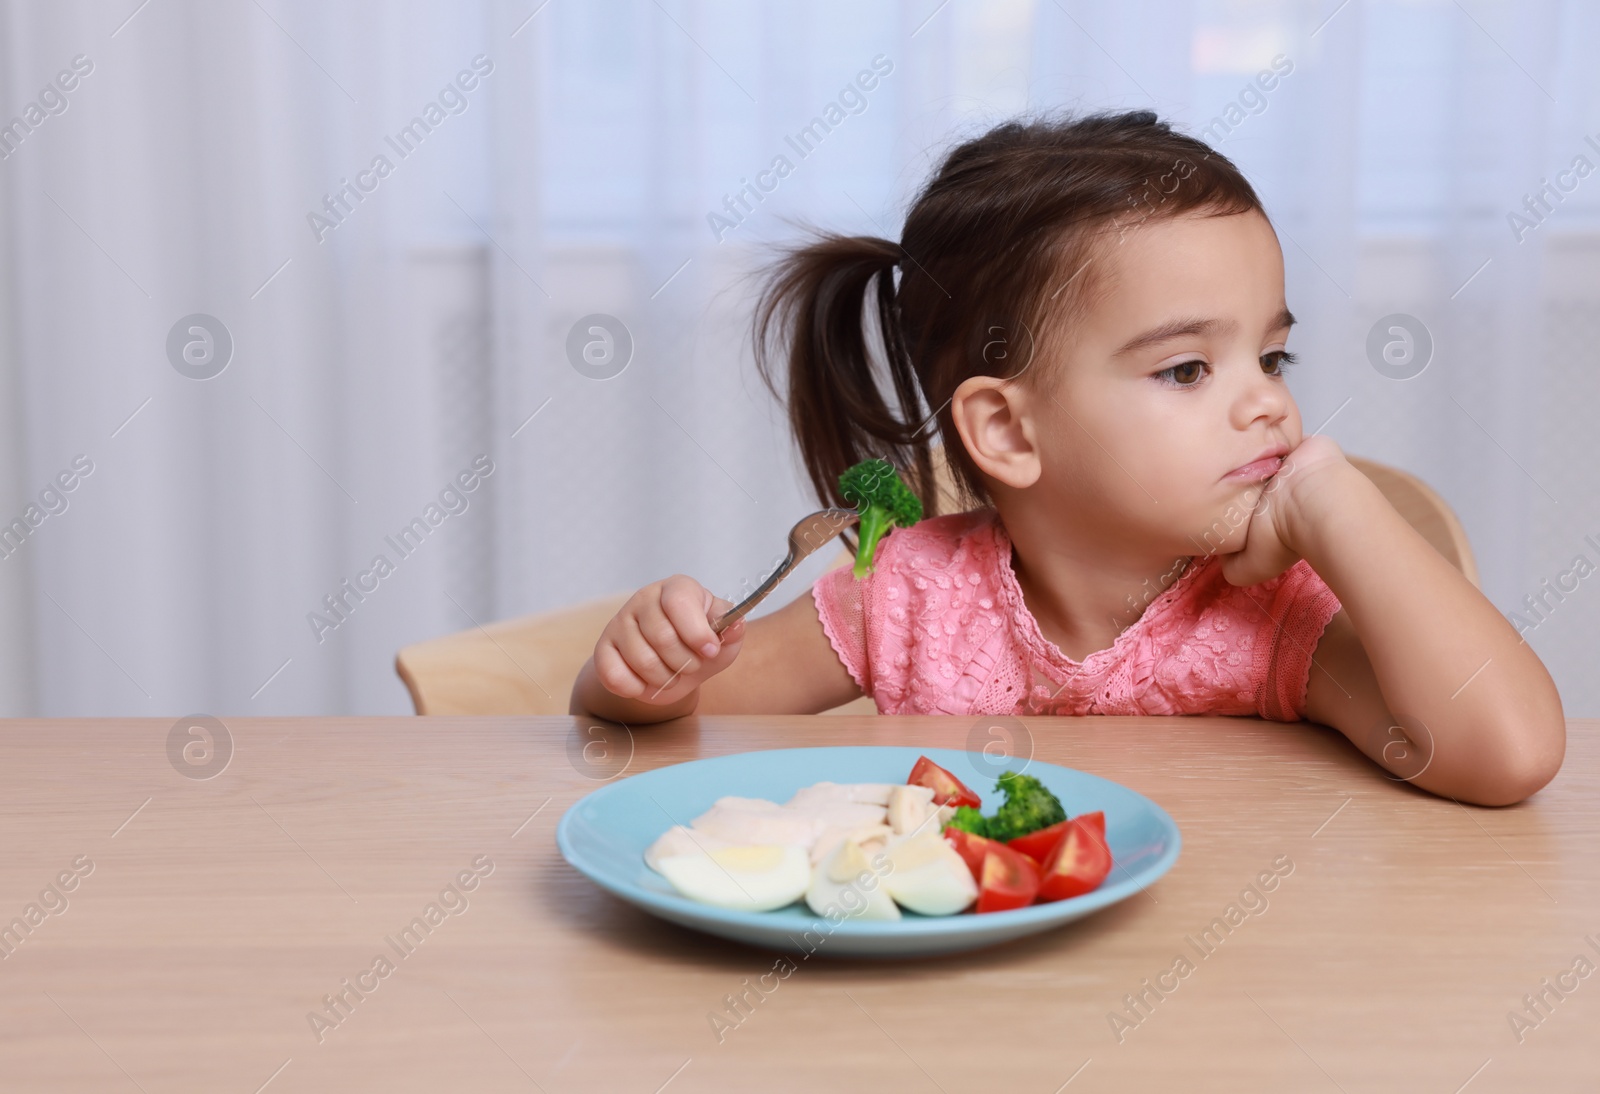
(940, 627)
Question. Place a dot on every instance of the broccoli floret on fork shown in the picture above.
(885, 502)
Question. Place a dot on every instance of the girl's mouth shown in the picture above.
(1255, 472)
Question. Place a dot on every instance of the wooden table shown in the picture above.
(208, 919)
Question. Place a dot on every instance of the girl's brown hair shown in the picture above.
(992, 246)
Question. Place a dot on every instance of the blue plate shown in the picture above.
(605, 834)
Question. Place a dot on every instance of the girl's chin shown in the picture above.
(1222, 530)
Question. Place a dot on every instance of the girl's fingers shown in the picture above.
(613, 672)
(731, 635)
(652, 644)
(658, 632)
(641, 657)
(686, 605)
(664, 638)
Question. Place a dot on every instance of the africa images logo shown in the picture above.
(852, 99)
(453, 501)
(452, 99)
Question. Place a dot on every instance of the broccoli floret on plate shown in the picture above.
(970, 820)
(1028, 807)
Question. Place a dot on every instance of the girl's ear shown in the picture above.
(991, 416)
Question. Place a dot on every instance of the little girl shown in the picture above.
(1093, 311)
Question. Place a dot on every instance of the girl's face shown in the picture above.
(1172, 381)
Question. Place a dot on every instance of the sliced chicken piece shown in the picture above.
(744, 826)
(834, 806)
(841, 813)
(872, 793)
(754, 805)
(909, 808)
(866, 793)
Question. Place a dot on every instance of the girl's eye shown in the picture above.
(1184, 373)
(1281, 359)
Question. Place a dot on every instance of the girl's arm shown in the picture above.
(643, 669)
(1418, 669)
(788, 667)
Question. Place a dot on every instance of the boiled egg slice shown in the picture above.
(679, 840)
(927, 876)
(847, 883)
(751, 878)
(832, 837)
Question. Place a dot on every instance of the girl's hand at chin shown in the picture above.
(1269, 547)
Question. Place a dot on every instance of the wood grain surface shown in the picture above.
(171, 934)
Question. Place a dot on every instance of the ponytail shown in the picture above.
(814, 311)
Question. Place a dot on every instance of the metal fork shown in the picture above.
(810, 533)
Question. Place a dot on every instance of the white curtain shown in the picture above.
(571, 160)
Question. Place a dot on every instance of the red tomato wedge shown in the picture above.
(1009, 879)
(1079, 863)
(1038, 845)
(947, 789)
(971, 848)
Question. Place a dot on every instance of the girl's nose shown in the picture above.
(1260, 397)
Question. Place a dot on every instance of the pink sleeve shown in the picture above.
(841, 607)
(1300, 609)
